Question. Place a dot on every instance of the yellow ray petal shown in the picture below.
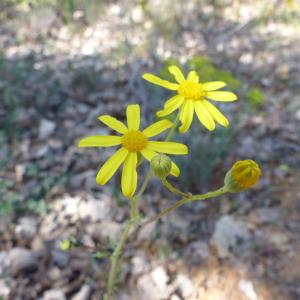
(129, 175)
(157, 128)
(171, 107)
(192, 76)
(173, 100)
(158, 81)
(113, 123)
(221, 96)
(149, 154)
(111, 166)
(167, 147)
(133, 116)
(176, 72)
(216, 114)
(100, 141)
(175, 171)
(213, 85)
(204, 116)
(186, 115)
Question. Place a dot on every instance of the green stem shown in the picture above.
(185, 200)
(173, 189)
(114, 260)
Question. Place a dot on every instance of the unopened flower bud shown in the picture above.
(243, 175)
(65, 245)
(161, 165)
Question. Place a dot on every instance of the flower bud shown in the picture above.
(243, 175)
(161, 165)
(65, 245)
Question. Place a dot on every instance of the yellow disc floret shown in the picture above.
(191, 90)
(134, 141)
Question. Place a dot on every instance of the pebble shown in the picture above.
(83, 294)
(46, 129)
(228, 235)
(54, 294)
(21, 259)
(248, 289)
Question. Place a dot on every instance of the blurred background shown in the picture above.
(65, 62)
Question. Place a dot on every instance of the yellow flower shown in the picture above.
(191, 96)
(243, 175)
(133, 142)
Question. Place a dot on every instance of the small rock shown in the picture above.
(264, 215)
(4, 290)
(46, 129)
(26, 229)
(21, 259)
(95, 210)
(140, 264)
(83, 294)
(160, 277)
(196, 252)
(104, 231)
(185, 285)
(60, 258)
(54, 294)
(248, 289)
(229, 235)
(3, 261)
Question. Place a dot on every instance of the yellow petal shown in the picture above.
(171, 107)
(186, 115)
(173, 100)
(168, 147)
(149, 154)
(221, 96)
(157, 128)
(133, 116)
(213, 85)
(111, 166)
(176, 72)
(216, 114)
(158, 81)
(129, 175)
(192, 76)
(204, 116)
(100, 141)
(175, 171)
(113, 123)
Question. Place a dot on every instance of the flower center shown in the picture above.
(191, 90)
(134, 141)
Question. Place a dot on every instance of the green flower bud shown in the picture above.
(161, 165)
(243, 175)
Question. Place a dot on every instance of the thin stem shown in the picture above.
(131, 224)
(173, 189)
(114, 259)
(208, 195)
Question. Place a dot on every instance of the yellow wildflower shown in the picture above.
(133, 142)
(191, 96)
(243, 175)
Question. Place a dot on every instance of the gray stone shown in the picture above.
(4, 289)
(83, 294)
(229, 235)
(26, 228)
(21, 259)
(184, 285)
(54, 294)
(46, 129)
(60, 258)
(248, 289)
